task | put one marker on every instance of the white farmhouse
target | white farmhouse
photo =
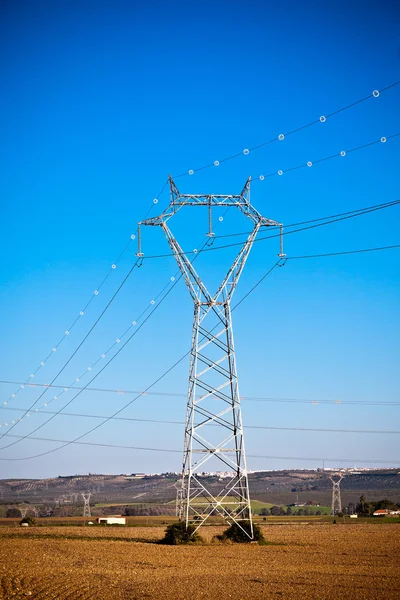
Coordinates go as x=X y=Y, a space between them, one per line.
x=114 y=520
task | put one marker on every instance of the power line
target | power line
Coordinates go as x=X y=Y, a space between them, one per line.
x=349 y=212
x=161 y=377
x=122 y=391
x=97 y=374
x=133 y=324
x=102 y=356
x=282 y=136
x=358 y=213
x=345 y=252
x=186 y=354
x=170 y=450
x=310 y=163
x=322 y=119
x=135 y=265
x=144 y=392
x=341 y=216
x=375 y=94
x=106 y=419
x=267 y=427
x=13 y=424
x=86 y=306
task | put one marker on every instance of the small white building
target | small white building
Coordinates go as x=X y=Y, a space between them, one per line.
x=114 y=520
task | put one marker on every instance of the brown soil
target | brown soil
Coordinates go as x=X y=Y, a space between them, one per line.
x=310 y=561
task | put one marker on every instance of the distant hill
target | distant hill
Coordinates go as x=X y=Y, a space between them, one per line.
x=278 y=487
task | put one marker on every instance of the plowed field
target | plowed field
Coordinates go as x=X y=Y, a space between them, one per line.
x=343 y=562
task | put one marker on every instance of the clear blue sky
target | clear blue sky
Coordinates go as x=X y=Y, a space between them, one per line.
x=100 y=101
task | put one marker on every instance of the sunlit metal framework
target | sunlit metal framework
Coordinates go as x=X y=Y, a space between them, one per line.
x=336 y=500
x=213 y=431
x=86 y=506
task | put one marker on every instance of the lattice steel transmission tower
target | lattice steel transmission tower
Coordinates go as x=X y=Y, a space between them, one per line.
x=336 y=500
x=86 y=506
x=213 y=431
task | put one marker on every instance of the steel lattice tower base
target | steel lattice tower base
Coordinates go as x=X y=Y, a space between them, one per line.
x=213 y=431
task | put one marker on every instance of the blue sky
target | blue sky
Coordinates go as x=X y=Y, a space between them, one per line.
x=100 y=101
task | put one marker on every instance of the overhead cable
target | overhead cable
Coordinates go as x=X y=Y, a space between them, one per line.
x=106 y=419
x=268 y=427
x=82 y=312
x=170 y=450
x=66 y=363
x=338 y=219
x=95 y=376
x=145 y=392
x=122 y=392
x=320 y=120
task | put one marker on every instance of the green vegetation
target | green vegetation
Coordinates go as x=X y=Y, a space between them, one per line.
x=241 y=534
x=178 y=533
x=28 y=520
x=365 y=509
x=111 y=504
x=264 y=509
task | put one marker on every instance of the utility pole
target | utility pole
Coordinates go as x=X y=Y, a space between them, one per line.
x=213 y=430
x=336 y=500
x=86 y=506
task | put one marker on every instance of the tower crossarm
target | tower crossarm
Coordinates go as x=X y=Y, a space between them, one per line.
x=241 y=201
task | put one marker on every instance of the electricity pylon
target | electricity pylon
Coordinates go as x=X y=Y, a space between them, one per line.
x=86 y=506
x=336 y=500
x=213 y=430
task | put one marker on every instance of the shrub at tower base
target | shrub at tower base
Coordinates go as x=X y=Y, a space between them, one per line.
x=178 y=533
x=241 y=534
x=28 y=520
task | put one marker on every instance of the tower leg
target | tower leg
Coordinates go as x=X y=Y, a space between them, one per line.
x=213 y=431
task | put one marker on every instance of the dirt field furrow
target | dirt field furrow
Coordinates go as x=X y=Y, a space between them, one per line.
x=324 y=561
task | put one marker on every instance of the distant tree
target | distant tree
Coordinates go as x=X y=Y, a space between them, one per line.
x=351 y=508
x=385 y=504
x=300 y=512
x=275 y=510
x=264 y=512
x=289 y=510
x=13 y=513
x=317 y=512
x=363 y=507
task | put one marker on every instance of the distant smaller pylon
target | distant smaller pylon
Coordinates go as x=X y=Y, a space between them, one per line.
x=336 y=500
x=86 y=506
